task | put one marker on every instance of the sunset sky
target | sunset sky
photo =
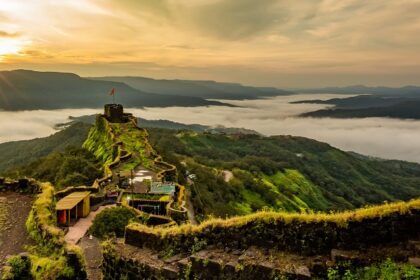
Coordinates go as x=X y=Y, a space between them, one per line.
x=266 y=42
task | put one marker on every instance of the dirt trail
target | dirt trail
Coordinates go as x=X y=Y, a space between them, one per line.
x=14 y=210
x=190 y=210
x=92 y=251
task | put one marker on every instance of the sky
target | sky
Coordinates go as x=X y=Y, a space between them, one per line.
x=282 y=43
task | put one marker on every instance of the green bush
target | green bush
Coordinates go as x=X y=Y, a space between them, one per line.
x=18 y=268
x=112 y=222
x=387 y=270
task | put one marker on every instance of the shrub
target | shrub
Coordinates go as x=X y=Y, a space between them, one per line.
x=17 y=268
x=387 y=270
x=112 y=221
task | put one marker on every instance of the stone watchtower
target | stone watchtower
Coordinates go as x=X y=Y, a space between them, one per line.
x=114 y=113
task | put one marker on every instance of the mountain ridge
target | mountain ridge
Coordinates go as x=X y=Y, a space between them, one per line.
x=206 y=89
x=29 y=90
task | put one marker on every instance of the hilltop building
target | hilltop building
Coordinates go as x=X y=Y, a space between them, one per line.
x=114 y=113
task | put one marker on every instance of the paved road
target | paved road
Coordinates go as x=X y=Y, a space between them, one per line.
x=79 y=229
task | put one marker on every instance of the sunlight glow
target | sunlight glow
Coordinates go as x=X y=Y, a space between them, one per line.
x=10 y=46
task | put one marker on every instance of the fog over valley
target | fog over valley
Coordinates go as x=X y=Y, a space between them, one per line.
x=380 y=137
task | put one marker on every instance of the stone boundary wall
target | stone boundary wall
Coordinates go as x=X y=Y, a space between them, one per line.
x=127 y=262
x=305 y=234
x=21 y=185
x=115 y=268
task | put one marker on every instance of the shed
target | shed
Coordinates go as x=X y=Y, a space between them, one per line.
x=73 y=206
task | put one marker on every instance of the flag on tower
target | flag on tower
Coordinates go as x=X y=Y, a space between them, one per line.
x=112 y=92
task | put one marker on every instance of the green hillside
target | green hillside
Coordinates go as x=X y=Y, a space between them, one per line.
x=20 y=152
x=282 y=172
x=71 y=167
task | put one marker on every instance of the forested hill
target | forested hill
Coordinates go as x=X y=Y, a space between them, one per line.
x=24 y=89
x=282 y=172
x=16 y=153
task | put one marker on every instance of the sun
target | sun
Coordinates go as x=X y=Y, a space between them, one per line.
x=10 y=46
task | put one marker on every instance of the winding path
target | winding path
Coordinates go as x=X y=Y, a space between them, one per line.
x=79 y=229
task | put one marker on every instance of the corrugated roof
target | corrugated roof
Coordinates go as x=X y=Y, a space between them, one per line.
x=70 y=201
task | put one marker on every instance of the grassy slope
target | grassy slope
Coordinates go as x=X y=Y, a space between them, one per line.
x=135 y=143
x=102 y=144
x=270 y=172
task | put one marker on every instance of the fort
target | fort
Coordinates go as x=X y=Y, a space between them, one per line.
x=125 y=151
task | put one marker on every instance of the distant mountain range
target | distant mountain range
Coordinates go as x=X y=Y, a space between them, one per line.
x=27 y=90
x=403 y=110
x=32 y=90
x=202 y=89
x=360 y=89
x=23 y=89
x=402 y=103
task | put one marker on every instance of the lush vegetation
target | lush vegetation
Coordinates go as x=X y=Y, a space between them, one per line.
x=100 y=142
x=17 y=153
x=388 y=270
x=112 y=222
x=281 y=173
x=135 y=142
x=71 y=167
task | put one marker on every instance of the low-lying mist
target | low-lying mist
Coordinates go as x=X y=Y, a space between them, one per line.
x=381 y=137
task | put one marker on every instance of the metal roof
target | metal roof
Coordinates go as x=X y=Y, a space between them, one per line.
x=162 y=188
x=70 y=201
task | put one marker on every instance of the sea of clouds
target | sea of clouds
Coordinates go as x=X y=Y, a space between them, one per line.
x=381 y=137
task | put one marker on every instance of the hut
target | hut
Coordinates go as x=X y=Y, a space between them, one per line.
x=72 y=207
